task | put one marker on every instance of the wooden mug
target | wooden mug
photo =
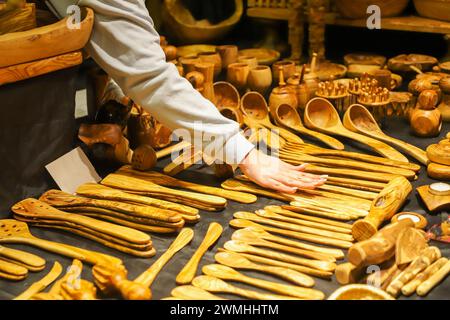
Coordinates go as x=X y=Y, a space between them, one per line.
x=229 y=54
x=260 y=79
x=287 y=66
x=250 y=60
x=214 y=58
x=237 y=75
x=189 y=62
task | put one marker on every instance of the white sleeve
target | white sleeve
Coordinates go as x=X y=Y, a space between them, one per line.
x=125 y=44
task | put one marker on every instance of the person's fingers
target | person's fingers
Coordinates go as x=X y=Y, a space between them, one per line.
x=280 y=186
x=307 y=176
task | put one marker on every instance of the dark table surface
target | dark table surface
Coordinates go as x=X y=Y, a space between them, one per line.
x=165 y=281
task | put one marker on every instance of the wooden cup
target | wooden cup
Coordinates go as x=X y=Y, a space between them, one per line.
x=260 y=79
x=214 y=58
x=188 y=63
x=250 y=60
x=237 y=75
x=229 y=54
x=287 y=66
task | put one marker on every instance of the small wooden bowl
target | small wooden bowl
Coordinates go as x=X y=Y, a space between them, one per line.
x=434 y=9
x=420 y=222
x=227 y=96
x=359 y=292
x=364 y=59
x=264 y=56
x=403 y=62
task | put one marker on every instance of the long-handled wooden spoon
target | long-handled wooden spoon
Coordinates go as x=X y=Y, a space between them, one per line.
x=217 y=285
x=321 y=115
x=255 y=109
x=168 y=181
x=235 y=260
x=286 y=116
x=250 y=238
x=39 y=286
x=193 y=293
x=188 y=272
x=147 y=277
x=227 y=273
x=358 y=119
x=242 y=247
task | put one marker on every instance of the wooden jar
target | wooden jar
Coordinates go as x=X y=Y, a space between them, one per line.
x=426 y=120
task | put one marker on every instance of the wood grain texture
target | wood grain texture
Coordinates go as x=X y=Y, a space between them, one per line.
x=20 y=19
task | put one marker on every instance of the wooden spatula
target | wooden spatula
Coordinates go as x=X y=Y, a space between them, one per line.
x=27 y=260
x=41 y=284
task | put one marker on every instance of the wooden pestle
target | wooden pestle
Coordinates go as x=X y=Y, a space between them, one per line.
x=388 y=202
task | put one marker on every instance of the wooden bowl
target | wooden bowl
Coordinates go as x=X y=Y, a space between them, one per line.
x=359 y=292
x=364 y=59
x=327 y=71
x=227 y=96
x=264 y=56
x=194 y=50
x=357 y=9
x=403 y=62
x=434 y=9
x=180 y=23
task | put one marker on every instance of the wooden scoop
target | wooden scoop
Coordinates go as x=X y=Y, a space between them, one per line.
x=358 y=119
x=250 y=238
x=13 y=231
x=193 y=293
x=183 y=238
x=321 y=115
x=216 y=285
x=285 y=115
x=168 y=181
x=255 y=109
x=32 y=208
x=188 y=272
x=227 y=273
x=242 y=247
x=235 y=260
x=27 y=260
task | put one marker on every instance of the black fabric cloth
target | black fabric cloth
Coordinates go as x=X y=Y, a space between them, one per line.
x=37 y=126
x=165 y=281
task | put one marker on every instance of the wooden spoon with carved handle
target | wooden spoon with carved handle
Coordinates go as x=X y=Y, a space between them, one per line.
x=188 y=272
x=235 y=260
x=213 y=284
x=147 y=277
x=227 y=273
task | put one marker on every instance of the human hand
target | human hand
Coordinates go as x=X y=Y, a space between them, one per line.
x=273 y=173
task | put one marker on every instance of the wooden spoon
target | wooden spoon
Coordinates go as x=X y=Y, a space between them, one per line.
x=193 y=293
x=358 y=119
x=321 y=115
x=13 y=231
x=216 y=285
x=188 y=272
x=27 y=260
x=12 y=271
x=235 y=260
x=244 y=223
x=168 y=181
x=255 y=108
x=252 y=239
x=234 y=184
x=242 y=247
x=227 y=273
x=285 y=115
x=148 y=276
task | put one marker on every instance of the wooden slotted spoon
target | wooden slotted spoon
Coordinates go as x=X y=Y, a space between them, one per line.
x=286 y=116
x=358 y=119
x=13 y=231
x=321 y=115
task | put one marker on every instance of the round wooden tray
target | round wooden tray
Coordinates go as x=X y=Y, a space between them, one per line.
x=195 y=49
x=264 y=56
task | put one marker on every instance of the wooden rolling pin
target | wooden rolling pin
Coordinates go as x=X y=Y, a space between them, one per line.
x=388 y=202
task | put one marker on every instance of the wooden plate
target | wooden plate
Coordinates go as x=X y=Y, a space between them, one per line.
x=195 y=49
x=328 y=71
x=264 y=56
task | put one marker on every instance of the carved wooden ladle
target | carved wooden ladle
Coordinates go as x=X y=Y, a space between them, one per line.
x=321 y=115
x=256 y=111
x=286 y=116
x=359 y=119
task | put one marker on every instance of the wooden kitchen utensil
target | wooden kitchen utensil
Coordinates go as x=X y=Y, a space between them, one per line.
x=320 y=115
x=12 y=271
x=438 y=171
x=359 y=119
x=183 y=238
x=250 y=238
x=83 y=290
x=254 y=107
x=242 y=247
x=227 y=273
x=435 y=196
x=439 y=153
x=193 y=293
x=420 y=222
x=188 y=272
x=235 y=260
x=408 y=246
x=217 y=285
x=288 y=117
x=411 y=286
x=316 y=238
x=388 y=202
x=143 y=187
x=73 y=272
x=226 y=95
x=27 y=260
x=426 y=286
x=243 y=186
x=426 y=119
x=167 y=181
x=13 y=231
x=380 y=247
x=40 y=285
x=347 y=273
